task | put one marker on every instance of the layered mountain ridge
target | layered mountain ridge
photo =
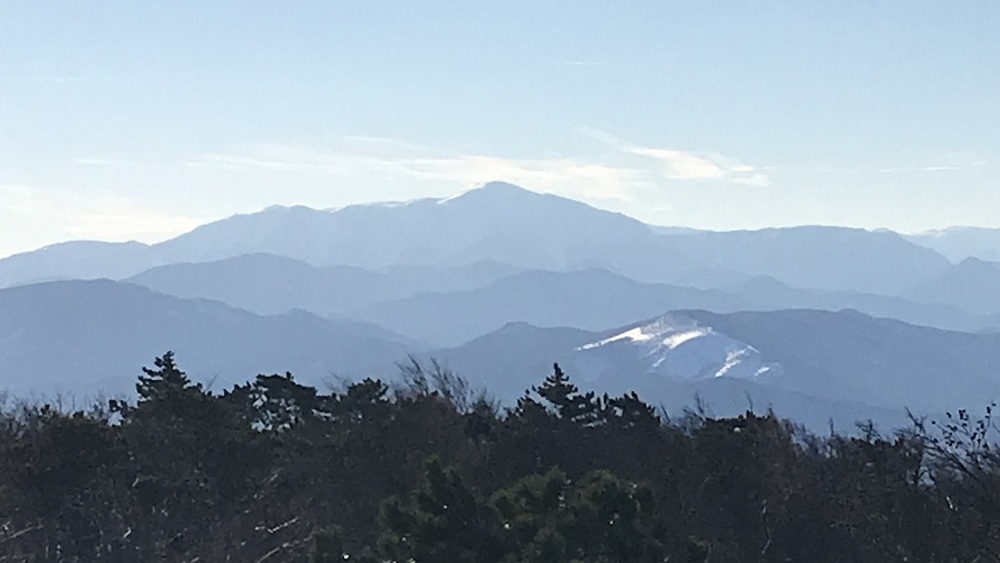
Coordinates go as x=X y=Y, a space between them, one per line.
x=502 y=223
x=500 y=282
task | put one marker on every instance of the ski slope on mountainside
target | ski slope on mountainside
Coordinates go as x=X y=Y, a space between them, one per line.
x=678 y=347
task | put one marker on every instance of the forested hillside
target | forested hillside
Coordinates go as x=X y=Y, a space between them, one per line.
x=428 y=471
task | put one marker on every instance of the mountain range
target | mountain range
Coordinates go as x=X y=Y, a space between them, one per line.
x=504 y=229
x=85 y=337
x=500 y=282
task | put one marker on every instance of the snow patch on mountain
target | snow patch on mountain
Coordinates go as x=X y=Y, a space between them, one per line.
x=676 y=346
x=653 y=332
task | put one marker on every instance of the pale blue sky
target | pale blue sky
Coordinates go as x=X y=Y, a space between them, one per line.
x=125 y=119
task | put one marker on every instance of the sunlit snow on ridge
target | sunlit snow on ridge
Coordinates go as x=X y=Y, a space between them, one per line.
x=675 y=346
x=649 y=332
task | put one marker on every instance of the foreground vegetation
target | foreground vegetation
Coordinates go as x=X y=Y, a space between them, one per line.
x=275 y=471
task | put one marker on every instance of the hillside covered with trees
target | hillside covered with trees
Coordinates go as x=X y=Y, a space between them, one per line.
x=428 y=471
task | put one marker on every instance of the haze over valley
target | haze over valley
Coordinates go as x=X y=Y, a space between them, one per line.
x=500 y=282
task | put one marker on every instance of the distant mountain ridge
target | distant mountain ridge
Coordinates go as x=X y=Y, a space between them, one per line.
x=815 y=257
x=75 y=260
x=815 y=366
x=502 y=223
x=587 y=299
x=849 y=355
x=270 y=284
x=89 y=336
x=972 y=285
x=449 y=304
x=959 y=243
x=496 y=222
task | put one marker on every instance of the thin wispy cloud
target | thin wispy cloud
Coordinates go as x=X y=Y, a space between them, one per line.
x=570 y=177
x=754 y=180
x=584 y=63
x=682 y=165
x=70 y=79
x=685 y=165
x=633 y=177
x=564 y=176
x=61 y=78
x=88 y=216
x=94 y=161
x=944 y=162
x=920 y=169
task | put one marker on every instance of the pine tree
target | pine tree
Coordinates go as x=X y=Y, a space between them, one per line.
x=566 y=399
x=165 y=383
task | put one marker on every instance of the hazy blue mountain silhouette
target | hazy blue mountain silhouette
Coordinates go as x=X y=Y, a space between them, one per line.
x=851 y=356
x=848 y=362
x=265 y=283
x=587 y=299
x=86 y=336
x=505 y=224
x=812 y=257
x=269 y=284
x=770 y=294
x=496 y=222
x=75 y=260
x=959 y=243
x=438 y=302
x=512 y=359
x=972 y=284
x=95 y=335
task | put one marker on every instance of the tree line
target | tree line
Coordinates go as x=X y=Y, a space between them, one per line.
x=427 y=471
